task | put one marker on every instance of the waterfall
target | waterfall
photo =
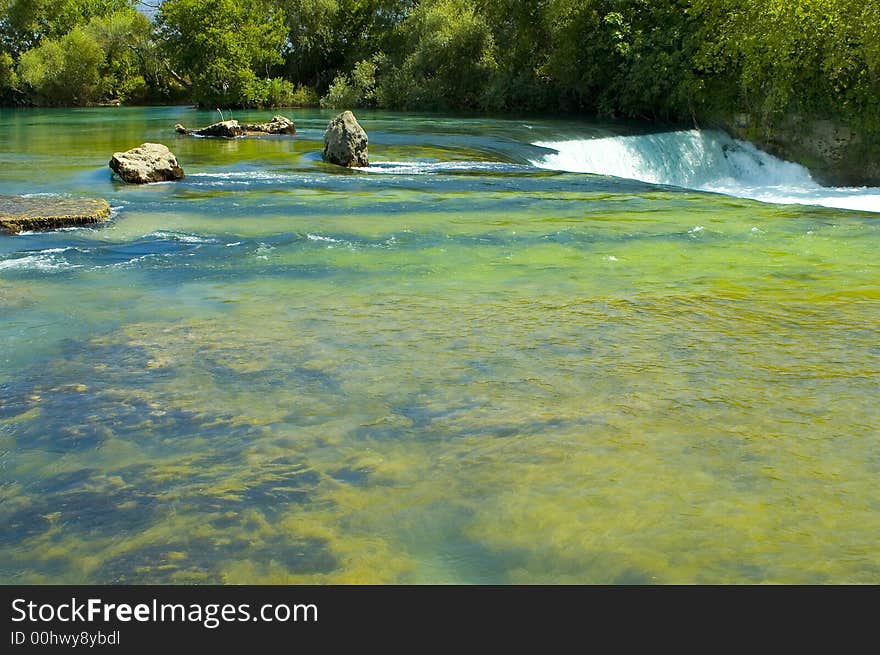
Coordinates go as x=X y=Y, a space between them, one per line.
x=705 y=160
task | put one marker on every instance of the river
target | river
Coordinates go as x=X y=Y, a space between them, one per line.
x=483 y=360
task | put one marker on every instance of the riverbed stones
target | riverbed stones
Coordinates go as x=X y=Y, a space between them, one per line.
x=27 y=213
x=345 y=142
x=149 y=162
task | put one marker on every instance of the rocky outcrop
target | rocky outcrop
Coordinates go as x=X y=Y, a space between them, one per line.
x=20 y=213
x=224 y=129
x=149 y=162
x=278 y=125
x=345 y=142
x=231 y=129
x=835 y=153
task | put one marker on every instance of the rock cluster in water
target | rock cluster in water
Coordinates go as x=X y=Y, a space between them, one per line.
x=278 y=125
x=21 y=213
x=223 y=129
x=149 y=162
x=345 y=142
x=232 y=129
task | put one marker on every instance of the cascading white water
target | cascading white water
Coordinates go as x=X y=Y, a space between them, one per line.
x=704 y=160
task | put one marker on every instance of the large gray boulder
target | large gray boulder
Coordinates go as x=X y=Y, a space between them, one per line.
x=345 y=142
x=20 y=213
x=149 y=162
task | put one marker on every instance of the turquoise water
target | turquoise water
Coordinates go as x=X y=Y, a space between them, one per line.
x=461 y=366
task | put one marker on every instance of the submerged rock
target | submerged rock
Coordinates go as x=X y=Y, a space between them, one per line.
x=232 y=129
x=345 y=142
x=149 y=162
x=18 y=213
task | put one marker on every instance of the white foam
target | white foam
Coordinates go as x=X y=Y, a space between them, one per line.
x=433 y=167
x=704 y=160
x=38 y=262
x=318 y=237
x=52 y=251
x=237 y=178
x=180 y=236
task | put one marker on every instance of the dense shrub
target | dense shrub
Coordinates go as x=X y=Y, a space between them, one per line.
x=225 y=47
x=64 y=71
x=304 y=96
x=445 y=59
x=355 y=90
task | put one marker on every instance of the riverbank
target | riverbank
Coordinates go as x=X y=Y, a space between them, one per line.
x=807 y=80
x=835 y=153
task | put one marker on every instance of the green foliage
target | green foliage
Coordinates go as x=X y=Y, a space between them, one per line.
x=25 y=23
x=9 y=91
x=106 y=55
x=8 y=78
x=623 y=57
x=327 y=37
x=129 y=55
x=673 y=60
x=803 y=57
x=64 y=71
x=111 y=57
x=522 y=32
x=341 y=94
x=224 y=46
x=446 y=61
x=273 y=92
x=304 y=96
x=355 y=90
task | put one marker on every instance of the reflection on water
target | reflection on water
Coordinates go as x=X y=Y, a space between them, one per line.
x=471 y=371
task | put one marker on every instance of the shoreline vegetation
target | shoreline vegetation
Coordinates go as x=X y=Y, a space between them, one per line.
x=800 y=78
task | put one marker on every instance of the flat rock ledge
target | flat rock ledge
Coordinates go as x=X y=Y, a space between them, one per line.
x=149 y=162
x=231 y=129
x=35 y=213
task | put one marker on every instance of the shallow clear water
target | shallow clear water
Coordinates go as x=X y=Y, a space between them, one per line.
x=454 y=367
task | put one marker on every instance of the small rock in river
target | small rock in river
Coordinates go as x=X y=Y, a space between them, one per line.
x=149 y=162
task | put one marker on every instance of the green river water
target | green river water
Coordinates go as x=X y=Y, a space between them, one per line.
x=457 y=367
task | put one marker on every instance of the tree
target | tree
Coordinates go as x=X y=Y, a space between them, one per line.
x=25 y=23
x=355 y=90
x=226 y=47
x=521 y=28
x=446 y=61
x=64 y=71
x=327 y=37
x=129 y=54
x=778 y=58
x=630 y=58
x=8 y=79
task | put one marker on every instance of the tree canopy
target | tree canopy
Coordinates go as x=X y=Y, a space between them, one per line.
x=673 y=60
